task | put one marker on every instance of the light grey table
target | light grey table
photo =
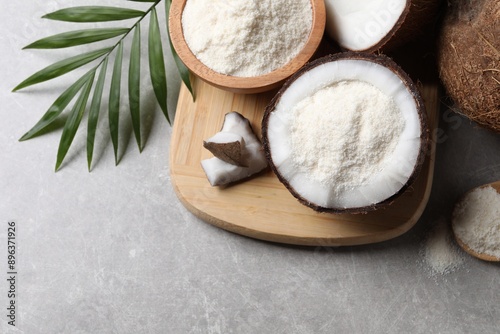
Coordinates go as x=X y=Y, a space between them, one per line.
x=114 y=251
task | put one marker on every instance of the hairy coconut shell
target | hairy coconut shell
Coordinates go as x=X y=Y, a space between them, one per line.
x=469 y=59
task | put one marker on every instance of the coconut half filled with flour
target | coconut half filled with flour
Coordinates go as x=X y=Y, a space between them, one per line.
x=346 y=133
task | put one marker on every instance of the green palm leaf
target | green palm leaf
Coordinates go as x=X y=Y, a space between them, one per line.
x=95 y=107
x=156 y=63
x=134 y=84
x=73 y=121
x=57 y=107
x=77 y=37
x=61 y=67
x=85 y=83
x=114 y=99
x=183 y=70
x=94 y=14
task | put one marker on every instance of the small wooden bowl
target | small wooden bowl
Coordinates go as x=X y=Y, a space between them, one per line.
x=245 y=85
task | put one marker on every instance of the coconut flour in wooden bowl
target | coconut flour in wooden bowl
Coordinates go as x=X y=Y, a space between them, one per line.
x=246 y=38
x=246 y=46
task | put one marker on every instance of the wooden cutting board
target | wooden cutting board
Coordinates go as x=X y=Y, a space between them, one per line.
x=261 y=207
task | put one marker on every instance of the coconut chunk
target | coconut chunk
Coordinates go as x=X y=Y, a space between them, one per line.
x=238 y=152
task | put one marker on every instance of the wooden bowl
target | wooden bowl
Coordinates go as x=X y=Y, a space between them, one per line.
x=245 y=85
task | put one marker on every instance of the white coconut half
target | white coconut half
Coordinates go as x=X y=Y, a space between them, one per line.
x=339 y=162
x=368 y=25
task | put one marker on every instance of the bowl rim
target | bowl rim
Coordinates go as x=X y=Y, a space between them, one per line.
x=255 y=84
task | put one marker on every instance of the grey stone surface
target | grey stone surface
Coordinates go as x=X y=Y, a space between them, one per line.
x=114 y=251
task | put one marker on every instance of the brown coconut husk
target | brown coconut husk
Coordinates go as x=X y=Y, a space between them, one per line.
x=469 y=59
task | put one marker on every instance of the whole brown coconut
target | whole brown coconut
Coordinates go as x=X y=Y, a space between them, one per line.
x=469 y=59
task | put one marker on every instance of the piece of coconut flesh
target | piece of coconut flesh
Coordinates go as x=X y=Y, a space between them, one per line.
x=383 y=183
x=359 y=25
x=236 y=130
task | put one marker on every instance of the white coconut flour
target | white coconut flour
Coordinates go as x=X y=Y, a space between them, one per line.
x=344 y=134
x=476 y=221
x=440 y=253
x=246 y=38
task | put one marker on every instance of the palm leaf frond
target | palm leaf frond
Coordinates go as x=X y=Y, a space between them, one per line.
x=94 y=14
x=73 y=121
x=84 y=85
x=183 y=70
x=157 y=63
x=77 y=37
x=114 y=99
x=57 y=107
x=95 y=107
x=134 y=85
x=62 y=67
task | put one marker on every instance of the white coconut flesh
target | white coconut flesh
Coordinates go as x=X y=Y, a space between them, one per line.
x=377 y=182
x=226 y=137
x=359 y=25
x=236 y=128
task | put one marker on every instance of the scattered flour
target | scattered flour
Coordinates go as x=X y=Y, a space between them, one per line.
x=476 y=221
x=440 y=252
x=246 y=38
x=344 y=133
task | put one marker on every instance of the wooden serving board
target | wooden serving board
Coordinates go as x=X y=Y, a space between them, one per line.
x=262 y=207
